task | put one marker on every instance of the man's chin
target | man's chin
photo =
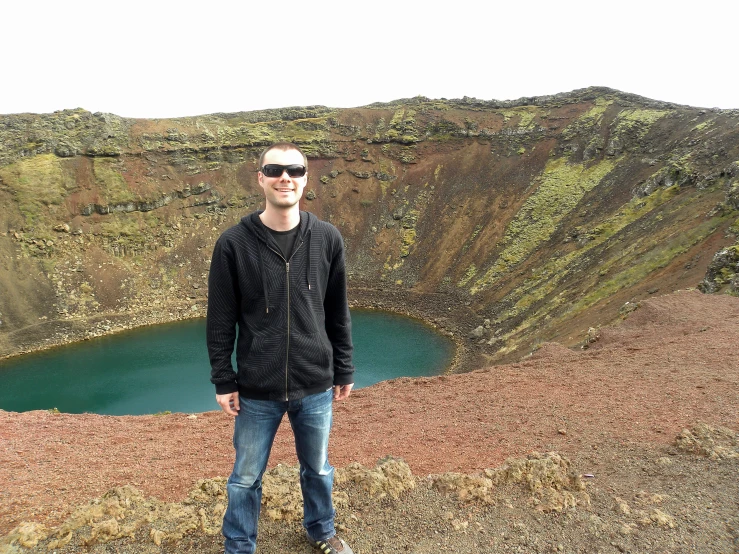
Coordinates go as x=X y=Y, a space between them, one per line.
x=284 y=203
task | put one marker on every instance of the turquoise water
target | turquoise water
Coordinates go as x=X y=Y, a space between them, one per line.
x=165 y=367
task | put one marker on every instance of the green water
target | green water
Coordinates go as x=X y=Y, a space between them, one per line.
x=165 y=367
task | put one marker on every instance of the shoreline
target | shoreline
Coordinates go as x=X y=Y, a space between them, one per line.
x=64 y=332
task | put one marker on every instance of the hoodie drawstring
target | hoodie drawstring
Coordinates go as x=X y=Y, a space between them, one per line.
x=264 y=278
x=307 y=240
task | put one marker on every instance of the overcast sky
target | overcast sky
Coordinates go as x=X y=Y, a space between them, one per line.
x=166 y=59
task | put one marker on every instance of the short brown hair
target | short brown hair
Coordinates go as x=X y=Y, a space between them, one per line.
x=284 y=146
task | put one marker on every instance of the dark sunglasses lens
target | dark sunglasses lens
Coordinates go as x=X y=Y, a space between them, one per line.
x=295 y=170
x=272 y=170
x=275 y=170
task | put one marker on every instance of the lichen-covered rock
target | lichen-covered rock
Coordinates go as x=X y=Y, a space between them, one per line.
x=547 y=476
x=281 y=496
x=713 y=442
x=26 y=534
x=538 y=471
x=674 y=174
x=470 y=488
x=723 y=271
x=391 y=477
x=660 y=518
x=732 y=194
x=477 y=332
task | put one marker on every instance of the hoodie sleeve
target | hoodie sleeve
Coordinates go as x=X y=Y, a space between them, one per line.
x=338 y=320
x=223 y=306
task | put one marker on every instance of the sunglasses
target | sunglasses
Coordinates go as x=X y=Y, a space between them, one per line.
x=275 y=170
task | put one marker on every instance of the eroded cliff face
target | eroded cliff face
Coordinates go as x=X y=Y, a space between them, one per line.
x=507 y=223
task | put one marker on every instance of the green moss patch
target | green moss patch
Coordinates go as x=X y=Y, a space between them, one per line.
x=37 y=183
x=587 y=121
x=562 y=187
x=112 y=185
x=522 y=115
x=636 y=121
x=549 y=277
x=658 y=257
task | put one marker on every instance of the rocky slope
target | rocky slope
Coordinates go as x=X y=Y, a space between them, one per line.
x=504 y=223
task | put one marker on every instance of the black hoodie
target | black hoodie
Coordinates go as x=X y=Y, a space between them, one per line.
x=294 y=328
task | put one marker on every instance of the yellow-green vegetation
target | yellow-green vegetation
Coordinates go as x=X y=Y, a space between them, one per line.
x=407 y=154
x=562 y=186
x=401 y=152
x=725 y=275
x=38 y=183
x=472 y=238
x=308 y=132
x=125 y=234
x=397 y=119
x=589 y=120
x=112 y=185
x=597 y=111
x=658 y=257
x=468 y=275
x=401 y=128
x=86 y=296
x=116 y=225
x=386 y=167
x=408 y=237
x=645 y=256
x=524 y=114
x=635 y=120
x=703 y=126
x=549 y=276
x=408 y=231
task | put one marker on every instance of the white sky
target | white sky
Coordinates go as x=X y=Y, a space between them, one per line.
x=165 y=59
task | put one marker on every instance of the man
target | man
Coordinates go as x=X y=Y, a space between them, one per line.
x=279 y=276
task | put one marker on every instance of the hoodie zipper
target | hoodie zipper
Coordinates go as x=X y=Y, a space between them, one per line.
x=287 y=348
x=287 y=278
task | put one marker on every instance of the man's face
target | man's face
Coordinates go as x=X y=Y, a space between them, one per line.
x=283 y=191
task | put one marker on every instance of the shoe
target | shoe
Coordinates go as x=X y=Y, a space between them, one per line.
x=334 y=545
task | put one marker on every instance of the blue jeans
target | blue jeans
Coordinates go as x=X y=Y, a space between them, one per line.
x=254 y=433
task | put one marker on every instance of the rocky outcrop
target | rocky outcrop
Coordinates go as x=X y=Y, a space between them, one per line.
x=723 y=272
x=149 y=205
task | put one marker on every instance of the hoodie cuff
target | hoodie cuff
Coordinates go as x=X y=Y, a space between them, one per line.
x=344 y=379
x=227 y=388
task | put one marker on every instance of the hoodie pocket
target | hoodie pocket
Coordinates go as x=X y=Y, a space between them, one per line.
x=310 y=358
x=264 y=366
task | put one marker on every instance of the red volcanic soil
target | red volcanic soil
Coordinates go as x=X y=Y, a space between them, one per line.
x=671 y=364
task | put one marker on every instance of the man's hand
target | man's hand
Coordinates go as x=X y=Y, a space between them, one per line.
x=229 y=403
x=342 y=392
